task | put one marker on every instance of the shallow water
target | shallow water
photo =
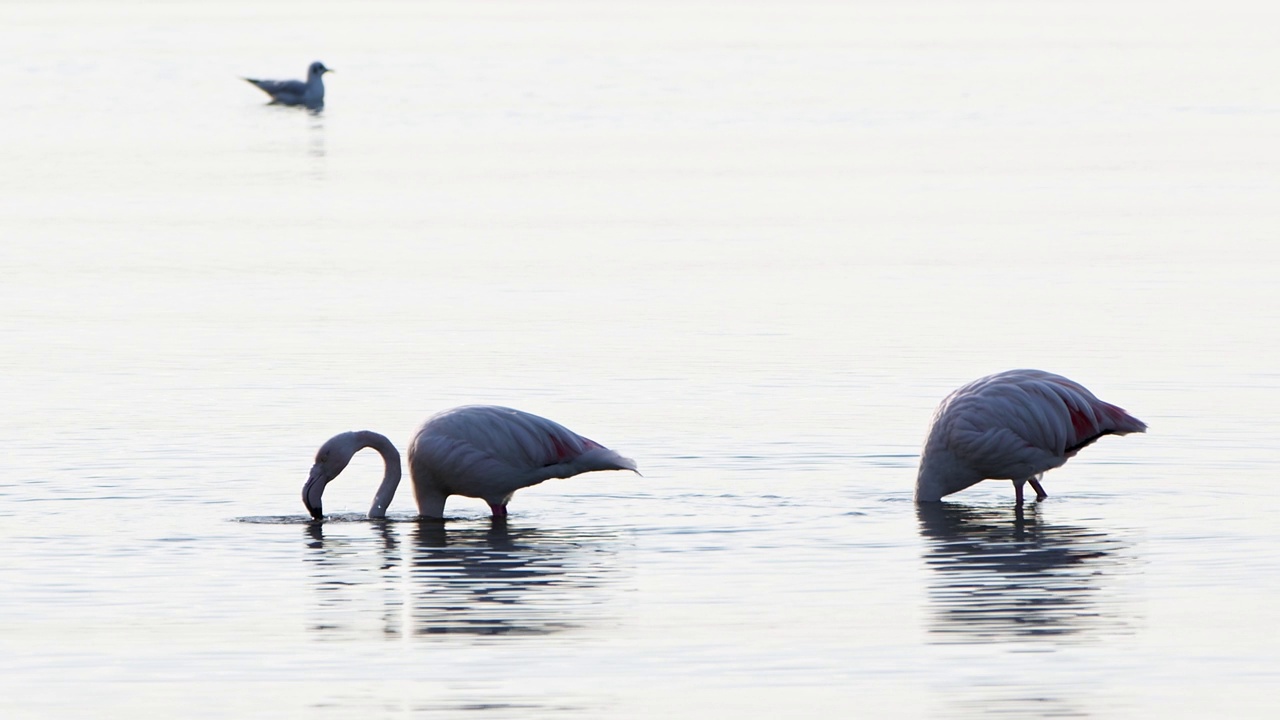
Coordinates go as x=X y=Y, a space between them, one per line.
x=750 y=246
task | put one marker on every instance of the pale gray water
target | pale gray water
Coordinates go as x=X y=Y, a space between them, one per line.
x=749 y=245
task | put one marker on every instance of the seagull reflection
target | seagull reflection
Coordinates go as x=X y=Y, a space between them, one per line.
x=1002 y=577
x=430 y=578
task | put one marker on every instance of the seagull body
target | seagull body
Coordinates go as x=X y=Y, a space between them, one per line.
x=480 y=451
x=296 y=92
x=1013 y=425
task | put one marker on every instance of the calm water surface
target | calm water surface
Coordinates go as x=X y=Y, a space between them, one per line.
x=749 y=245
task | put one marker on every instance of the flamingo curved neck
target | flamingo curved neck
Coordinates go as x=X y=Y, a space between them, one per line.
x=390 y=478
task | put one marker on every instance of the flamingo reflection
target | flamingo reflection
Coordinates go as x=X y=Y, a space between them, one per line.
x=429 y=578
x=998 y=577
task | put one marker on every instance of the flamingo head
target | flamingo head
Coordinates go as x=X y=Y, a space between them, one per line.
x=331 y=460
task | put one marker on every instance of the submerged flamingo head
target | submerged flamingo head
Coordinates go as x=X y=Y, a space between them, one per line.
x=331 y=460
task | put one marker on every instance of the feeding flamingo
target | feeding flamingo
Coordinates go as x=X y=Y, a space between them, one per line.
x=1013 y=425
x=480 y=451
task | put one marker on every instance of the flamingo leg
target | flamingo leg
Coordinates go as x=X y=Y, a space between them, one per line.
x=1040 y=493
x=499 y=509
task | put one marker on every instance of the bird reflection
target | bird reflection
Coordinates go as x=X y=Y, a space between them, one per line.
x=344 y=577
x=430 y=578
x=1002 y=575
x=316 y=144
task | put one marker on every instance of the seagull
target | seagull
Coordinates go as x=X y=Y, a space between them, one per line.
x=1013 y=425
x=296 y=92
x=480 y=451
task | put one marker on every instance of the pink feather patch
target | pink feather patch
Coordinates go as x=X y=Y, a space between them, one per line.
x=562 y=451
x=1081 y=424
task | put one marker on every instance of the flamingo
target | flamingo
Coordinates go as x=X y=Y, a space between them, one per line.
x=296 y=92
x=1013 y=425
x=480 y=451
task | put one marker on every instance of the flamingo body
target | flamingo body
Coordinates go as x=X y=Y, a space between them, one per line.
x=296 y=92
x=480 y=451
x=489 y=452
x=1013 y=425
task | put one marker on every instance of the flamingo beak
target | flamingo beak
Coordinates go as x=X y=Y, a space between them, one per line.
x=313 y=491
